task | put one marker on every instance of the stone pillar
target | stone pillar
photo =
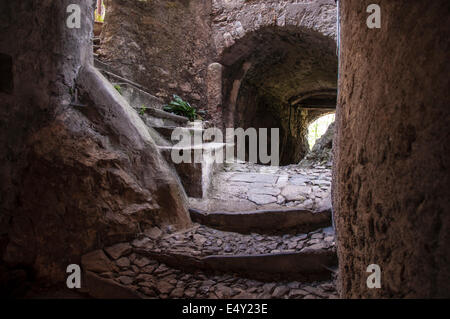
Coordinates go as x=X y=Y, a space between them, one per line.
x=214 y=92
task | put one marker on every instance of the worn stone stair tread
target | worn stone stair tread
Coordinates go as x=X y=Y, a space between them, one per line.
x=142 y=277
x=201 y=241
x=302 y=256
x=163 y=114
x=166 y=131
x=102 y=66
x=305 y=266
x=138 y=98
x=195 y=133
x=109 y=73
x=264 y=221
x=151 y=267
x=203 y=146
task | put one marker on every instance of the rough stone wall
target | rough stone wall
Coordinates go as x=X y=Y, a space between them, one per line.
x=163 y=45
x=391 y=168
x=234 y=19
x=72 y=179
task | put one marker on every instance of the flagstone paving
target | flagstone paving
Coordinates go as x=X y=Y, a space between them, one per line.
x=246 y=186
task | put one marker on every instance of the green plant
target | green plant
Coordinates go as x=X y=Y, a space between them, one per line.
x=180 y=107
x=118 y=88
x=142 y=110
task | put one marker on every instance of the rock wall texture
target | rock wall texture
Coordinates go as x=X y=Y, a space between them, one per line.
x=391 y=161
x=163 y=45
x=234 y=19
x=72 y=178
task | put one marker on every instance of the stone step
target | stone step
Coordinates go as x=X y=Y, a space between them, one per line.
x=196 y=176
x=138 y=98
x=304 y=257
x=155 y=117
x=102 y=66
x=301 y=256
x=110 y=74
x=142 y=277
x=147 y=105
x=205 y=263
x=202 y=241
x=195 y=133
x=264 y=221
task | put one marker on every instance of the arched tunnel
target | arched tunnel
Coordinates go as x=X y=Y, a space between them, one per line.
x=280 y=77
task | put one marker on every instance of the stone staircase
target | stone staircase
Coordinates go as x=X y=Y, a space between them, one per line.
x=203 y=262
x=263 y=253
x=195 y=176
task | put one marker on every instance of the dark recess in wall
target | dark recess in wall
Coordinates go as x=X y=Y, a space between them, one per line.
x=6 y=75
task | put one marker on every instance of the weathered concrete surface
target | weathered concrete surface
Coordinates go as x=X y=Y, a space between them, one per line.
x=72 y=178
x=391 y=161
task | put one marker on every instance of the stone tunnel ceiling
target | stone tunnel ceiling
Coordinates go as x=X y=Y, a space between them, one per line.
x=272 y=68
x=286 y=62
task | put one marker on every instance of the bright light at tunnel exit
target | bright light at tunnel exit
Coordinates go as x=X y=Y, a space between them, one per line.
x=317 y=128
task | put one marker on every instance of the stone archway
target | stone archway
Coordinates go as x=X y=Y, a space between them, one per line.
x=280 y=77
x=275 y=60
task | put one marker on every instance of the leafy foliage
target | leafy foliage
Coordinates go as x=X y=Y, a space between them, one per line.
x=118 y=88
x=180 y=107
x=142 y=110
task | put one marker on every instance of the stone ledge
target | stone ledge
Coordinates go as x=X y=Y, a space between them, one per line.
x=305 y=266
x=264 y=221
